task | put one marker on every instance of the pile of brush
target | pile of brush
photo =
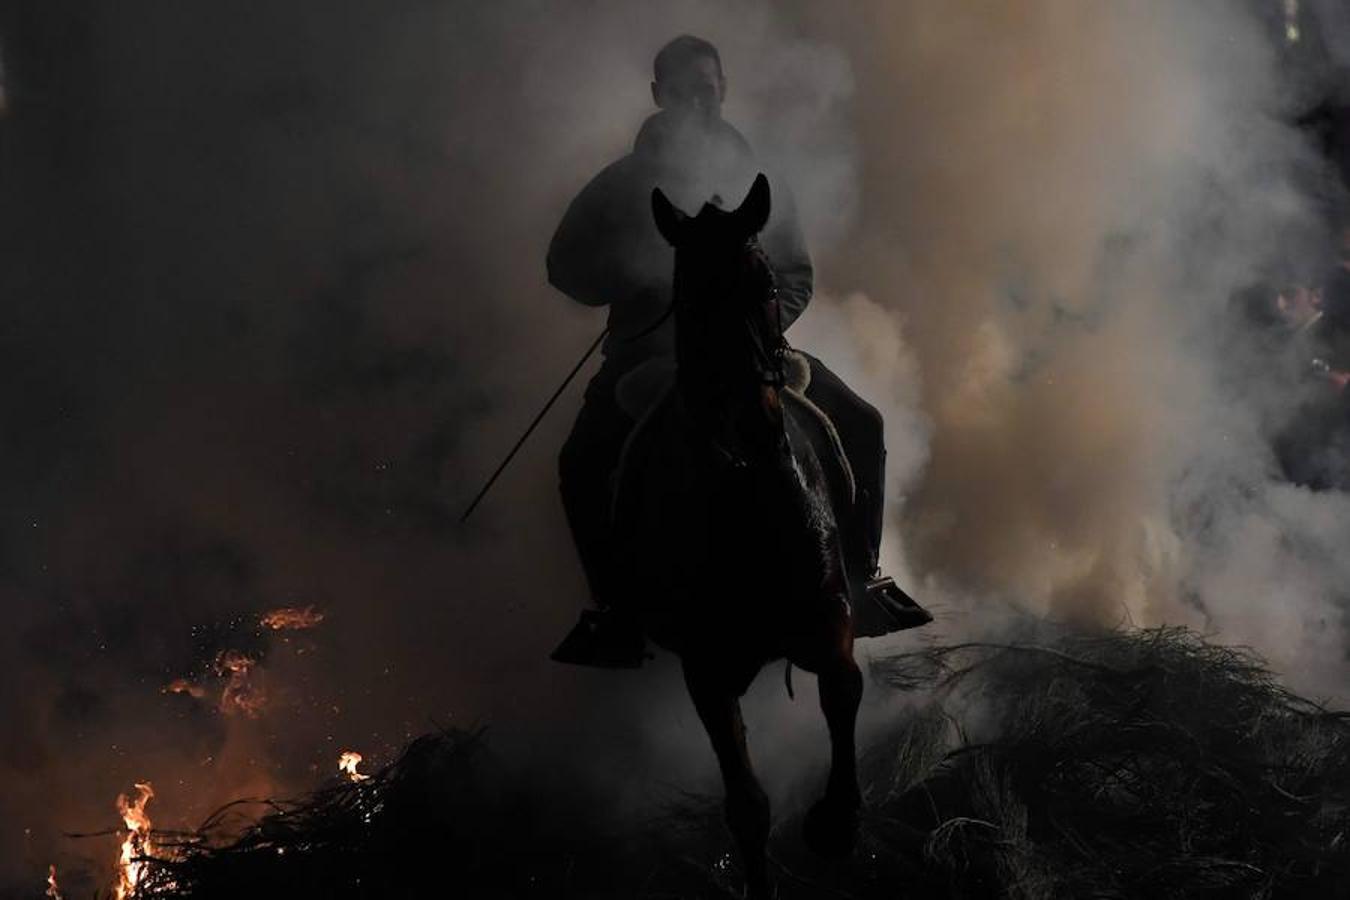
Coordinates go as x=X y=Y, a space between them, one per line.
x=446 y=819
x=1141 y=764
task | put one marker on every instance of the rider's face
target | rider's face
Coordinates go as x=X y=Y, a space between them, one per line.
x=696 y=91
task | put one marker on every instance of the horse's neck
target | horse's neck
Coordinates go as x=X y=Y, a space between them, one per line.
x=713 y=371
x=733 y=408
x=721 y=372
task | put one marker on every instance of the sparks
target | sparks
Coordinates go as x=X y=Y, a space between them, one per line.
x=292 y=618
x=137 y=846
x=347 y=764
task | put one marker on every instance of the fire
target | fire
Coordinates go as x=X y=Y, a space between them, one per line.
x=240 y=695
x=241 y=692
x=292 y=618
x=183 y=686
x=137 y=844
x=347 y=764
x=53 y=891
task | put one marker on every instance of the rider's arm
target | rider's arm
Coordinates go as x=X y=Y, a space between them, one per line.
x=590 y=256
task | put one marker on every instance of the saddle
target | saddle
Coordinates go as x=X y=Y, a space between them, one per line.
x=642 y=392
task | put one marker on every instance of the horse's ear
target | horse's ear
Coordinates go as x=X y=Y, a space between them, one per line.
x=669 y=220
x=754 y=210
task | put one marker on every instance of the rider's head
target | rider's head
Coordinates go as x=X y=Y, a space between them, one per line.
x=689 y=81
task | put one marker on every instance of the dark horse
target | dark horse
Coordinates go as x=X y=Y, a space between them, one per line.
x=726 y=518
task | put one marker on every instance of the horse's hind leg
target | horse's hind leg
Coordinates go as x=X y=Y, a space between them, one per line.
x=832 y=823
x=747 y=806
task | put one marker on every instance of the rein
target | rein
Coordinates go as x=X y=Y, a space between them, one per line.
x=774 y=377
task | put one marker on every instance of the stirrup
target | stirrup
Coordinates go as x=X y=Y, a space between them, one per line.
x=891 y=609
x=603 y=639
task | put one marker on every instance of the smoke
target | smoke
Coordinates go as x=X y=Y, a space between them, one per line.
x=1060 y=217
x=279 y=308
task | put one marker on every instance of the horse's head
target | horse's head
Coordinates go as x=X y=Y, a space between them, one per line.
x=727 y=330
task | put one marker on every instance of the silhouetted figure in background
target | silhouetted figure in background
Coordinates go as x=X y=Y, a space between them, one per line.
x=607 y=251
x=1290 y=345
x=1316 y=449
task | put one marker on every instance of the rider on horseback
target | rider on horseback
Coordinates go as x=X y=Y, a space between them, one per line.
x=607 y=251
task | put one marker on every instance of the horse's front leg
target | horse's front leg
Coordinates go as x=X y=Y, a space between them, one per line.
x=831 y=825
x=747 y=806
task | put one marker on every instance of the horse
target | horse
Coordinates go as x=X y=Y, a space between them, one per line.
x=727 y=518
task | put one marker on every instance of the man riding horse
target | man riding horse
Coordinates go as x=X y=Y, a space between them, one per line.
x=607 y=251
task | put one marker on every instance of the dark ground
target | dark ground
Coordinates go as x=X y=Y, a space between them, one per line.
x=1144 y=764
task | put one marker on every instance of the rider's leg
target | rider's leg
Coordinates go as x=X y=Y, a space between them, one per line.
x=861 y=431
x=587 y=460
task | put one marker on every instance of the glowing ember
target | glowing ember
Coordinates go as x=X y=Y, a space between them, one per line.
x=53 y=891
x=183 y=686
x=137 y=844
x=232 y=662
x=292 y=618
x=347 y=764
x=240 y=695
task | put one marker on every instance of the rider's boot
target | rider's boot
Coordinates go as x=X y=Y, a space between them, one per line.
x=888 y=607
x=607 y=638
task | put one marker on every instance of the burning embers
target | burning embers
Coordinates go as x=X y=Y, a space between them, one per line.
x=347 y=764
x=242 y=693
x=183 y=686
x=138 y=849
x=238 y=674
x=137 y=846
x=291 y=618
x=233 y=682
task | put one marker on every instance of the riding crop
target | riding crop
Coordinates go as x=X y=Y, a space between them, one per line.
x=530 y=430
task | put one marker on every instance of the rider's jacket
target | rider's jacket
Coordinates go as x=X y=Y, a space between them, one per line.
x=607 y=249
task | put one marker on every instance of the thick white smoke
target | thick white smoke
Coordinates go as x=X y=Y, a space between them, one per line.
x=1060 y=199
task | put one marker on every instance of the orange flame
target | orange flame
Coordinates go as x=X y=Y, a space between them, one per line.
x=240 y=695
x=233 y=662
x=53 y=891
x=137 y=843
x=292 y=618
x=183 y=686
x=347 y=764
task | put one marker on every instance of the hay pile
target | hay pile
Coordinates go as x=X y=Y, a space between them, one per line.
x=1142 y=764
x=446 y=819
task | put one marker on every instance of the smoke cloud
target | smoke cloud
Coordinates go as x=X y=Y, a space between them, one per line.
x=1060 y=216
x=277 y=307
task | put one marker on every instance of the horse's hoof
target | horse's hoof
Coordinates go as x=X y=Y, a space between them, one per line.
x=831 y=828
